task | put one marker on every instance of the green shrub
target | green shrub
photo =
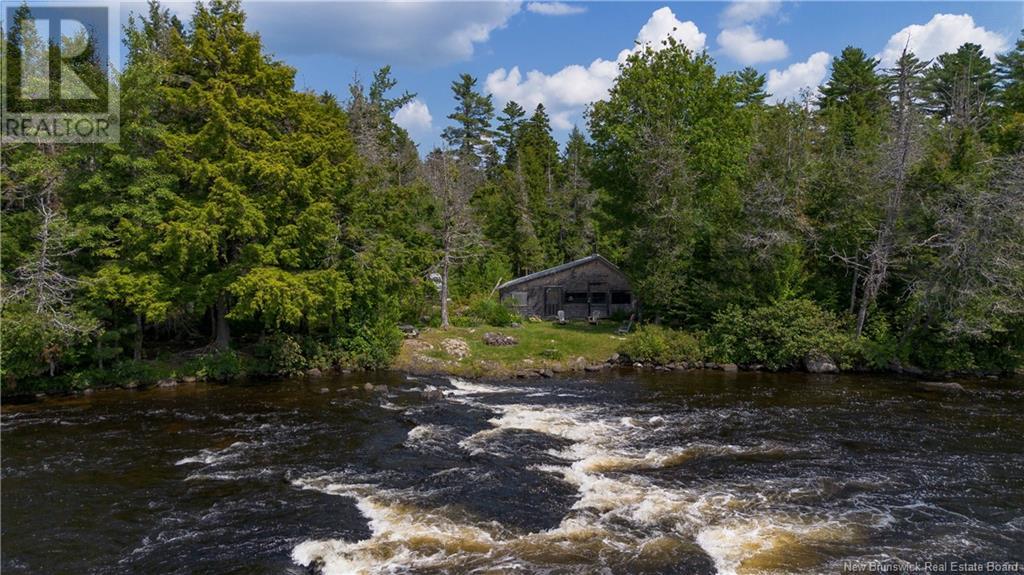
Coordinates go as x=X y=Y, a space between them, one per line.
x=657 y=344
x=127 y=370
x=487 y=311
x=218 y=366
x=878 y=347
x=279 y=354
x=323 y=354
x=779 y=335
x=374 y=345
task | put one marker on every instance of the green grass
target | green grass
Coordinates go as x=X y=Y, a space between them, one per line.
x=542 y=345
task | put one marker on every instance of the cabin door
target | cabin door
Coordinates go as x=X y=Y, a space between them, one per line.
x=552 y=301
x=597 y=299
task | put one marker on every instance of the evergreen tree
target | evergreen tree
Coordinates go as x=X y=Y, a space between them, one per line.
x=471 y=135
x=670 y=146
x=854 y=95
x=537 y=169
x=577 y=233
x=509 y=123
x=962 y=86
x=1010 y=71
x=260 y=170
x=751 y=85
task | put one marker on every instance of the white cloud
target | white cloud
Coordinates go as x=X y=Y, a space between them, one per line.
x=554 y=8
x=566 y=92
x=417 y=33
x=751 y=11
x=663 y=23
x=943 y=33
x=414 y=117
x=788 y=83
x=746 y=46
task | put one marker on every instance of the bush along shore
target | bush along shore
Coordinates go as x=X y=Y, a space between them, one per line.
x=793 y=335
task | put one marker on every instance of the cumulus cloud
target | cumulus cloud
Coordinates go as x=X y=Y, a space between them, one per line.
x=415 y=117
x=554 y=8
x=746 y=46
x=663 y=23
x=412 y=33
x=943 y=33
x=742 y=12
x=566 y=92
x=787 y=84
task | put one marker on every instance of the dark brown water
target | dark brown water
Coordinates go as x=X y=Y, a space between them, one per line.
x=619 y=473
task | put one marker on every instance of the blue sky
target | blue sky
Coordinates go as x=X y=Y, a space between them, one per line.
x=574 y=47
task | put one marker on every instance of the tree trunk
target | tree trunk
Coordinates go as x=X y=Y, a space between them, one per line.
x=222 y=332
x=445 y=324
x=884 y=248
x=862 y=313
x=137 y=354
x=853 y=291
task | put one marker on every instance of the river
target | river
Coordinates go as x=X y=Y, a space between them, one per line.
x=617 y=472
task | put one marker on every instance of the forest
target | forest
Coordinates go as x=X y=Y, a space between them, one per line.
x=244 y=225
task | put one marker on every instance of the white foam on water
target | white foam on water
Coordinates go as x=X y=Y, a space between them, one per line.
x=463 y=387
x=769 y=543
x=431 y=436
x=622 y=516
x=212 y=456
x=402 y=535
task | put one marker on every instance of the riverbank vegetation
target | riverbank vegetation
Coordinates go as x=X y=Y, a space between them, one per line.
x=242 y=224
x=540 y=347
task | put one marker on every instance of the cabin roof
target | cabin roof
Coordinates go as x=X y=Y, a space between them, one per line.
x=556 y=269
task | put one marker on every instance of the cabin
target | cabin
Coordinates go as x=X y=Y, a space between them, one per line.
x=591 y=287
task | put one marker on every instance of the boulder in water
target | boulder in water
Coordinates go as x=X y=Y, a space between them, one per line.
x=432 y=395
x=947 y=386
x=730 y=367
x=820 y=363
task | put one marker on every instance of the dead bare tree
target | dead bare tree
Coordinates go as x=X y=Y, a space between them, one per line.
x=977 y=283
x=772 y=205
x=41 y=280
x=452 y=186
x=901 y=150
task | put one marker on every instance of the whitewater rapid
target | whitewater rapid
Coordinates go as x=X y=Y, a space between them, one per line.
x=623 y=517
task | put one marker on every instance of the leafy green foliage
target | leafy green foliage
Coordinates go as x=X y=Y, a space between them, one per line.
x=487 y=310
x=280 y=230
x=779 y=335
x=222 y=365
x=656 y=344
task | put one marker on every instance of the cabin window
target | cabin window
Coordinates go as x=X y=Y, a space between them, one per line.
x=598 y=297
x=575 y=297
x=622 y=297
x=518 y=298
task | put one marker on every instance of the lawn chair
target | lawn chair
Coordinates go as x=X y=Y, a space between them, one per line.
x=626 y=326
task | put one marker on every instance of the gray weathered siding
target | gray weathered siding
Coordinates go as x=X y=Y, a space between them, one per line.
x=597 y=274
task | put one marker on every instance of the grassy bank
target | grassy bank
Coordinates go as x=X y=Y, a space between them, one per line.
x=540 y=346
